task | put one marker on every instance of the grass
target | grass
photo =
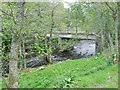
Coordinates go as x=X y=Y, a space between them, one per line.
x=91 y=72
x=0 y=83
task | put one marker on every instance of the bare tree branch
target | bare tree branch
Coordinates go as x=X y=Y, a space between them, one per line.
x=5 y=12
x=114 y=11
x=109 y=7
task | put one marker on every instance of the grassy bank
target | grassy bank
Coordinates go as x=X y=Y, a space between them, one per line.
x=91 y=72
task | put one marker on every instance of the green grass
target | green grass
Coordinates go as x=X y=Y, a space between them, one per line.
x=81 y=73
x=0 y=83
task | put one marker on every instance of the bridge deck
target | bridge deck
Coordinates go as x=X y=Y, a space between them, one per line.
x=73 y=35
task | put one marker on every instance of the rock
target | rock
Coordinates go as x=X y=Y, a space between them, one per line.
x=41 y=68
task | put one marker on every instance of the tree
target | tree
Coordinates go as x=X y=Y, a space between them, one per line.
x=114 y=13
x=51 y=31
x=13 y=64
x=0 y=42
x=118 y=5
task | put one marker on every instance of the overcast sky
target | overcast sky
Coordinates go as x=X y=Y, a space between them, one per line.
x=69 y=1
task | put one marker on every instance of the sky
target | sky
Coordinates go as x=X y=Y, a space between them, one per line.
x=69 y=1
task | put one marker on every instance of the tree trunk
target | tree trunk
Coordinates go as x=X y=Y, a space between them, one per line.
x=115 y=17
x=111 y=43
x=1 y=46
x=68 y=23
x=76 y=27
x=24 y=56
x=49 y=57
x=101 y=30
x=76 y=22
x=108 y=38
x=13 y=64
x=21 y=57
x=118 y=37
x=118 y=4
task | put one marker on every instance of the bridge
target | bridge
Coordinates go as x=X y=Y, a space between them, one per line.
x=88 y=36
x=86 y=44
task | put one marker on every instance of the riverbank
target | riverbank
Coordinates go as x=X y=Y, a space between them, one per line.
x=91 y=72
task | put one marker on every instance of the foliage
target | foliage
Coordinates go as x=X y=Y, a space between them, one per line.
x=67 y=44
x=44 y=18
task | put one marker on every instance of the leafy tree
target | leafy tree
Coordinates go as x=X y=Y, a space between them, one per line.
x=12 y=22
